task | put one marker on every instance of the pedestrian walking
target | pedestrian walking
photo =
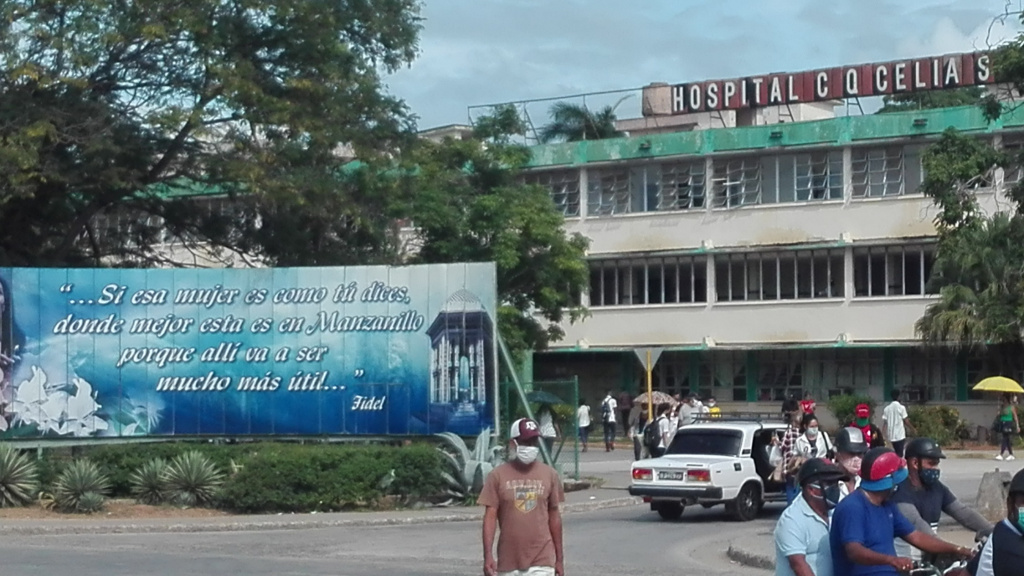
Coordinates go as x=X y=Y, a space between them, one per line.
x=608 y=409
x=814 y=442
x=895 y=424
x=1009 y=424
x=521 y=500
x=583 y=422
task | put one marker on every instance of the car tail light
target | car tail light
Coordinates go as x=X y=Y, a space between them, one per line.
x=698 y=475
x=647 y=499
x=643 y=474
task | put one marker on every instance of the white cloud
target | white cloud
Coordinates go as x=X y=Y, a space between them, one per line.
x=502 y=50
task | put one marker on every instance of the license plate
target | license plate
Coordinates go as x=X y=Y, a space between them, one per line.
x=664 y=475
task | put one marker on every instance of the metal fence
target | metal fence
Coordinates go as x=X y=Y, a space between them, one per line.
x=551 y=402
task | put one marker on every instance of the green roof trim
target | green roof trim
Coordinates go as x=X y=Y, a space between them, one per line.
x=834 y=131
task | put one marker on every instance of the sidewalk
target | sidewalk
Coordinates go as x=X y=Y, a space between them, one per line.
x=575 y=502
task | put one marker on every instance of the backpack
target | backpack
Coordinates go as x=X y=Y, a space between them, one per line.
x=652 y=434
x=606 y=411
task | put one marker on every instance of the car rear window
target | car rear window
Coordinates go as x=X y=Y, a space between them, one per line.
x=712 y=442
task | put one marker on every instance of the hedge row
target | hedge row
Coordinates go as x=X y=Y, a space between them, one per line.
x=280 y=477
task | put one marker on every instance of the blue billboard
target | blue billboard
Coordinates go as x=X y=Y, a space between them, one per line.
x=368 y=350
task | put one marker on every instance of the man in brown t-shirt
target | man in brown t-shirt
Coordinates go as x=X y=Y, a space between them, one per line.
x=522 y=497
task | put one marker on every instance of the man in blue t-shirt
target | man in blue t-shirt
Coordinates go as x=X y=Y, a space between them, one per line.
x=865 y=523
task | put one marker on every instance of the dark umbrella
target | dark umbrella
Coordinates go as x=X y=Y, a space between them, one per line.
x=543 y=397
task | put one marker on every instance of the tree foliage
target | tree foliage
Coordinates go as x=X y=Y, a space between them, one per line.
x=966 y=96
x=112 y=110
x=471 y=205
x=573 y=122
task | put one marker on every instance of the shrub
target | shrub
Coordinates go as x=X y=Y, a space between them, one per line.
x=192 y=479
x=81 y=487
x=940 y=423
x=121 y=461
x=306 y=478
x=18 y=477
x=149 y=483
x=845 y=406
x=466 y=469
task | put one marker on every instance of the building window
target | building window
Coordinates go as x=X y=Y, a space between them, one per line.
x=682 y=186
x=789 y=275
x=563 y=186
x=819 y=176
x=925 y=376
x=674 y=280
x=608 y=192
x=878 y=172
x=737 y=182
x=779 y=375
x=901 y=270
x=1013 y=145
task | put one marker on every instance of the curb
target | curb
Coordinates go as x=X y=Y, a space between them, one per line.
x=750 y=559
x=253 y=526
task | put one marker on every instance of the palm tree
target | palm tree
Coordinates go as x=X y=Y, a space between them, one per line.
x=980 y=274
x=575 y=122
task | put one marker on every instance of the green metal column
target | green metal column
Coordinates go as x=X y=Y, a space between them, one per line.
x=627 y=371
x=751 y=376
x=888 y=373
x=693 y=362
x=526 y=371
x=962 y=384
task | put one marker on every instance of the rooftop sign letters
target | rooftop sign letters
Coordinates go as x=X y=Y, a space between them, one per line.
x=937 y=73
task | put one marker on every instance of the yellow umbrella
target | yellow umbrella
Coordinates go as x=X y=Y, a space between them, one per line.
x=999 y=384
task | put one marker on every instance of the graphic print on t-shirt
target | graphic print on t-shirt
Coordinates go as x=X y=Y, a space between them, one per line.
x=526 y=493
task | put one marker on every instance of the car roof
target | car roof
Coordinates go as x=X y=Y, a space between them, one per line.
x=740 y=425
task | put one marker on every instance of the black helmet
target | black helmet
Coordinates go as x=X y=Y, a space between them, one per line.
x=819 y=469
x=923 y=448
x=1017 y=484
x=851 y=440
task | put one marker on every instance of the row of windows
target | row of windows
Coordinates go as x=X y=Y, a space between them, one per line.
x=786 y=275
x=779 y=374
x=734 y=182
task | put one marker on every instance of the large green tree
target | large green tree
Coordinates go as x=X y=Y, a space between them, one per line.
x=112 y=111
x=471 y=205
x=967 y=96
x=979 y=268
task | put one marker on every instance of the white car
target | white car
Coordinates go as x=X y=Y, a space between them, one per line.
x=712 y=463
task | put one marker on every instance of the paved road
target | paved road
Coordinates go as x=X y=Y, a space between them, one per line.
x=609 y=542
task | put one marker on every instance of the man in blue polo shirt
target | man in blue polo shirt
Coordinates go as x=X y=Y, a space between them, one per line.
x=801 y=535
x=865 y=523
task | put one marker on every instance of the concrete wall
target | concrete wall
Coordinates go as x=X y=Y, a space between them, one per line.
x=736 y=324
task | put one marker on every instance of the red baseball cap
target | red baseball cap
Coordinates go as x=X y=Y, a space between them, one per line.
x=524 y=429
x=863 y=410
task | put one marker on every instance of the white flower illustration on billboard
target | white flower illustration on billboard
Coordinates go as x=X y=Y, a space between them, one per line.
x=65 y=410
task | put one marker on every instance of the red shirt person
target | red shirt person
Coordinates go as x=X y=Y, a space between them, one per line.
x=862 y=421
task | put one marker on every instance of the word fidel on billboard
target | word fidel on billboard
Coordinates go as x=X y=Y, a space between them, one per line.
x=938 y=73
x=172 y=325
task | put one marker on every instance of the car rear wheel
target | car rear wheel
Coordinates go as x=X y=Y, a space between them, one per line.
x=747 y=504
x=670 y=510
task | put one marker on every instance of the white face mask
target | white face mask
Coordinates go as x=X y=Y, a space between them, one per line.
x=527 y=454
x=852 y=465
x=812 y=431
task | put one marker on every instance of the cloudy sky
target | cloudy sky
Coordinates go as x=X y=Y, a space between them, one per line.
x=475 y=52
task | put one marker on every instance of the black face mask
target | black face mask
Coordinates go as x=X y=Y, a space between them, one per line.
x=830 y=494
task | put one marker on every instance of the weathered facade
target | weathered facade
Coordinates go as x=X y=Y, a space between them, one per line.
x=767 y=260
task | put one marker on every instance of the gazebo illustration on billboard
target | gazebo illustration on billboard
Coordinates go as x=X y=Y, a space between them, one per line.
x=461 y=359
